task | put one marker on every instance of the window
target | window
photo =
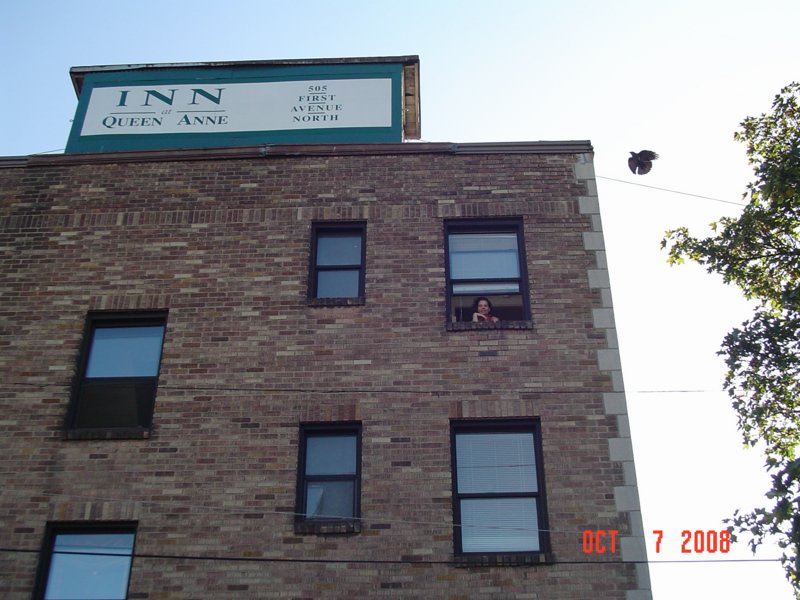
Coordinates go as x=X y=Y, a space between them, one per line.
x=498 y=488
x=119 y=368
x=485 y=259
x=329 y=477
x=337 y=265
x=86 y=561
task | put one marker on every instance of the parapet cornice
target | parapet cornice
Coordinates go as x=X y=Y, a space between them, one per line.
x=296 y=150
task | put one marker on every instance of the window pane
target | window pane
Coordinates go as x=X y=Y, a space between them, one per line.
x=93 y=575
x=337 y=284
x=331 y=455
x=485 y=289
x=125 y=351
x=330 y=499
x=483 y=255
x=111 y=403
x=499 y=525
x=338 y=249
x=495 y=463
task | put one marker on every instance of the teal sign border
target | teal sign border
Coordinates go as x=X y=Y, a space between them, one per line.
x=222 y=75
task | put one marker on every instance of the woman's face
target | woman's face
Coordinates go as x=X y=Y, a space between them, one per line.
x=483 y=307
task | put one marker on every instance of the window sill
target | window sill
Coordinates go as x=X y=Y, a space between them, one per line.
x=107 y=433
x=337 y=301
x=312 y=527
x=515 y=559
x=472 y=325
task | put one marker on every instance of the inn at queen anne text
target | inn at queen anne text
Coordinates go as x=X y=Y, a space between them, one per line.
x=149 y=119
x=157 y=110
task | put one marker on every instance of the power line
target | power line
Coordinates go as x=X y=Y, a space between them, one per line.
x=399 y=561
x=222 y=510
x=371 y=519
x=653 y=187
x=674 y=391
x=49 y=151
x=367 y=390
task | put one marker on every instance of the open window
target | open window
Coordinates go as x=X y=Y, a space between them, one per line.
x=118 y=372
x=486 y=264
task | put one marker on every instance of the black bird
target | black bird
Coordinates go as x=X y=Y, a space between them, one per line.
x=642 y=162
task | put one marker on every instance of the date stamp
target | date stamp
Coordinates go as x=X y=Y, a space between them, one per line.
x=699 y=541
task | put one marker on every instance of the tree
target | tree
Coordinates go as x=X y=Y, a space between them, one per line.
x=759 y=252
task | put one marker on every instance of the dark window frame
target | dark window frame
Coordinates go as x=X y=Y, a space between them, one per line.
x=491 y=225
x=501 y=558
x=312 y=525
x=337 y=227
x=74 y=427
x=55 y=528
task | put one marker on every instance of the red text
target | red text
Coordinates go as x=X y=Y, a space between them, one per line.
x=595 y=542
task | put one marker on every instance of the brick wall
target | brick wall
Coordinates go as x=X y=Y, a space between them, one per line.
x=223 y=244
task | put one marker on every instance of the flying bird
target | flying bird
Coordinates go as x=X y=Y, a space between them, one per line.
x=641 y=162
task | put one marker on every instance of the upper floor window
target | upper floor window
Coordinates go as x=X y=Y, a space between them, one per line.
x=486 y=279
x=88 y=561
x=338 y=258
x=329 y=479
x=119 y=368
x=498 y=488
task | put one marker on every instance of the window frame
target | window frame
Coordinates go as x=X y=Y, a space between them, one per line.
x=488 y=226
x=314 y=525
x=76 y=429
x=55 y=528
x=501 y=558
x=319 y=228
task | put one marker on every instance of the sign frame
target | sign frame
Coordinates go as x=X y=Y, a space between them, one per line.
x=162 y=90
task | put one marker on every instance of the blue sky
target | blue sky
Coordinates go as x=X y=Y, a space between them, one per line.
x=676 y=77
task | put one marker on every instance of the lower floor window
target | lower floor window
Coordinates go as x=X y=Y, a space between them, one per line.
x=330 y=471
x=498 y=481
x=86 y=562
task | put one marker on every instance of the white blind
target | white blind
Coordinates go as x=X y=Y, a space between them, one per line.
x=499 y=525
x=495 y=462
x=483 y=255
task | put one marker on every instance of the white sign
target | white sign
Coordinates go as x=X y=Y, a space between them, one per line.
x=212 y=107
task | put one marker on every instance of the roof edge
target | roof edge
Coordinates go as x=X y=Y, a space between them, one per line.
x=77 y=74
x=298 y=150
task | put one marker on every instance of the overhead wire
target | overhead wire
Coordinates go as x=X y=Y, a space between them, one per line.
x=653 y=187
x=223 y=510
x=373 y=561
x=596 y=176
x=244 y=512
x=364 y=390
x=49 y=151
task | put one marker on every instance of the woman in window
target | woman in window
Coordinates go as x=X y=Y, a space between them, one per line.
x=483 y=311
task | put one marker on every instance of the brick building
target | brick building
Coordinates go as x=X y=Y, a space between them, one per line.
x=253 y=372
